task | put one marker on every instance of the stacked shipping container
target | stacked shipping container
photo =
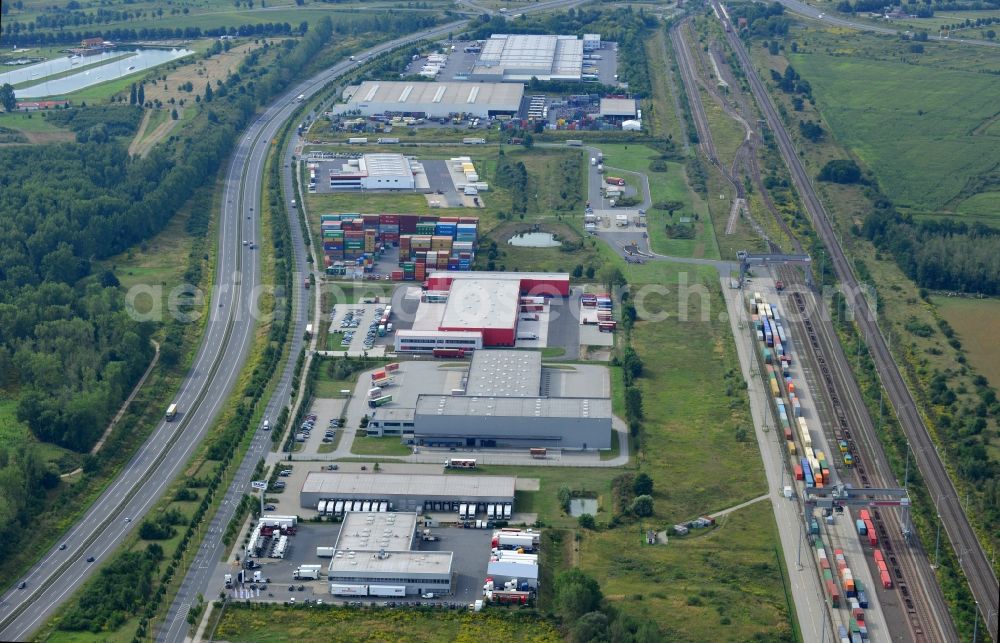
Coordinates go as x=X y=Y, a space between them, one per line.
x=435 y=243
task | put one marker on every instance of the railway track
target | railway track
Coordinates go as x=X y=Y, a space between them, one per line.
x=921 y=603
x=972 y=559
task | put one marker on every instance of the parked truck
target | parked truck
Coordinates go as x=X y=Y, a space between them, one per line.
x=324 y=552
x=380 y=401
x=527 y=336
x=306 y=573
x=537 y=452
x=427 y=536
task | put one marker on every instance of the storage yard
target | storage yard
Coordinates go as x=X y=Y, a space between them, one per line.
x=855 y=583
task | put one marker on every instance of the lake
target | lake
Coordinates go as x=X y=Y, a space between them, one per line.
x=534 y=240
x=580 y=506
x=117 y=64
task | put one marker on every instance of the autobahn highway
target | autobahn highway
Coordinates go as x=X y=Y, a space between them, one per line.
x=972 y=558
x=227 y=337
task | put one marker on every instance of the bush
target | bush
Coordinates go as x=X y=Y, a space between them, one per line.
x=586 y=521
x=642 y=506
x=844 y=171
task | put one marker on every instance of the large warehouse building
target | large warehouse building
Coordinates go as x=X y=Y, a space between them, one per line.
x=433 y=100
x=405 y=492
x=374 y=557
x=503 y=393
x=375 y=172
x=519 y=58
x=472 y=310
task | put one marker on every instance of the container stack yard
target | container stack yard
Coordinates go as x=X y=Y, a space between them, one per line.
x=425 y=242
x=844 y=586
x=440 y=243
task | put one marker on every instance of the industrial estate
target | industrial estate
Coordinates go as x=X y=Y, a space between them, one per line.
x=519 y=321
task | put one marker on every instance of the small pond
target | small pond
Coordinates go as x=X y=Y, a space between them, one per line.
x=534 y=240
x=580 y=506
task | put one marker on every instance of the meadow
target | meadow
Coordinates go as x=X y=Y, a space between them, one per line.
x=970 y=319
x=925 y=129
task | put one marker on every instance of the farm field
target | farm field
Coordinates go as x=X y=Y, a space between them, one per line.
x=927 y=149
x=970 y=319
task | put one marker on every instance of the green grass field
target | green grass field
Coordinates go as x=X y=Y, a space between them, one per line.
x=335 y=624
x=969 y=318
x=390 y=445
x=30 y=122
x=669 y=186
x=914 y=125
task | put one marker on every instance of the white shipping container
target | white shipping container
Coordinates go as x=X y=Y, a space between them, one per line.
x=387 y=590
x=463 y=509
x=516 y=540
x=324 y=552
x=506 y=512
x=339 y=508
x=348 y=590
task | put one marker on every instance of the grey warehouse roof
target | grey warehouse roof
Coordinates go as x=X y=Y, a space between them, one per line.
x=383 y=485
x=543 y=56
x=496 y=275
x=386 y=164
x=373 y=530
x=525 y=407
x=503 y=373
x=482 y=303
x=394 y=562
x=398 y=95
x=618 y=107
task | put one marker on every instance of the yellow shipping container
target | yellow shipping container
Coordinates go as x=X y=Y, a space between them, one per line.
x=791 y=447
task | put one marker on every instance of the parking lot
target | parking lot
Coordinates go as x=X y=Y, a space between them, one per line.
x=356 y=327
x=320 y=425
x=470 y=548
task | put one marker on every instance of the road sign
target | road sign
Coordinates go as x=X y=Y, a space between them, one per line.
x=258 y=484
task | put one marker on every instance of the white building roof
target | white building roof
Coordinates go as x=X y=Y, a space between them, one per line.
x=514 y=407
x=392 y=562
x=429 y=315
x=512 y=570
x=400 y=96
x=386 y=165
x=503 y=373
x=523 y=56
x=374 y=531
x=384 y=485
x=482 y=303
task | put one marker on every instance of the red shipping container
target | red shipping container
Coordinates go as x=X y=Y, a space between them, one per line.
x=864 y=515
x=396 y=275
x=798 y=472
x=877 y=554
x=824 y=563
x=886 y=580
x=788 y=433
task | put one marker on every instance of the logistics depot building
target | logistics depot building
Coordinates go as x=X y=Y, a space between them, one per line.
x=432 y=100
x=472 y=310
x=374 y=556
x=376 y=172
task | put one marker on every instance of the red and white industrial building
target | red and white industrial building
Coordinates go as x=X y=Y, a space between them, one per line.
x=472 y=310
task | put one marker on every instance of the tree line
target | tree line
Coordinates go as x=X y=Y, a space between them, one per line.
x=940 y=255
